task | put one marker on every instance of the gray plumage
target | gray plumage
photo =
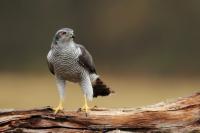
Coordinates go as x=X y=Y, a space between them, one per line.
x=69 y=61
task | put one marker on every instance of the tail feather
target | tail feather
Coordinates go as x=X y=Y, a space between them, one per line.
x=100 y=89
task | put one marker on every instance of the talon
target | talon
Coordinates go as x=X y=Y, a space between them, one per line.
x=59 y=107
x=94 y=108
x=85 y=107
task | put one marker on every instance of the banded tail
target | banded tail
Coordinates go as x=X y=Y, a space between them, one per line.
x=100 y=89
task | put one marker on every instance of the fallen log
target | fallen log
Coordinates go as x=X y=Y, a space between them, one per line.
x=181 y=115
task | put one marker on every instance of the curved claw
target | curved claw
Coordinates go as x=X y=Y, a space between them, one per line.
x=85 y=108
x=59 y=107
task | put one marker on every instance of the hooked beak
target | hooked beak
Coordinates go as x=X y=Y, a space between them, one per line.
x=73 y=36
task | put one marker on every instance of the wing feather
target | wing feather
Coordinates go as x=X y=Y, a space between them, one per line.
x=50 y=65
x=85 y=60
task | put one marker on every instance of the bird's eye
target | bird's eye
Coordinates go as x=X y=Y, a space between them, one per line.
x=63 y=33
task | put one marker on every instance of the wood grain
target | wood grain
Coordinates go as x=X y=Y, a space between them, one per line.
x=181 y=115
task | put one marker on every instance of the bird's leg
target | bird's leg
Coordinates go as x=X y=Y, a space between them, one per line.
x=85 y=106
x=61 y=90
x=87 y=90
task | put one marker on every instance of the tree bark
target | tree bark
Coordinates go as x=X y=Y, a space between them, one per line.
x=181 y=115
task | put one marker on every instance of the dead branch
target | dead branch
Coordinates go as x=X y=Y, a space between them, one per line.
x=182 y=115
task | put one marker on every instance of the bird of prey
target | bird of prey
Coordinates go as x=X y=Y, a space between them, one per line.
x=69 y=61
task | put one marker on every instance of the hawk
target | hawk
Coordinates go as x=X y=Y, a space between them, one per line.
x=69 y=61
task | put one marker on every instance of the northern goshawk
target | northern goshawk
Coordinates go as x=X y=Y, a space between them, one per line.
x=69 y=61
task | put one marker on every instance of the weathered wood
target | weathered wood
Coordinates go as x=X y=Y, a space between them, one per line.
x=182 y=115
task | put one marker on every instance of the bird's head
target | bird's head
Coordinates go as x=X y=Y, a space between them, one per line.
x=63 y=35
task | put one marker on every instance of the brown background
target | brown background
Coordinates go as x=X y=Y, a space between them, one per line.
x=146 y=51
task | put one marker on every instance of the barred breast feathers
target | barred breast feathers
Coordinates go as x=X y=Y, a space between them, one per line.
x=64 y=60
x=50 y=65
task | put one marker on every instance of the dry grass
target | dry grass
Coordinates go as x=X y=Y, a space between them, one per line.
x=30 y=90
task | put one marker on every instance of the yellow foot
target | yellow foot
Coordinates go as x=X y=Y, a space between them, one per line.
x=85 y=107
x=59 y=107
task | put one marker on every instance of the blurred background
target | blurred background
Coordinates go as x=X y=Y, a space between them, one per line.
x=147 y=51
